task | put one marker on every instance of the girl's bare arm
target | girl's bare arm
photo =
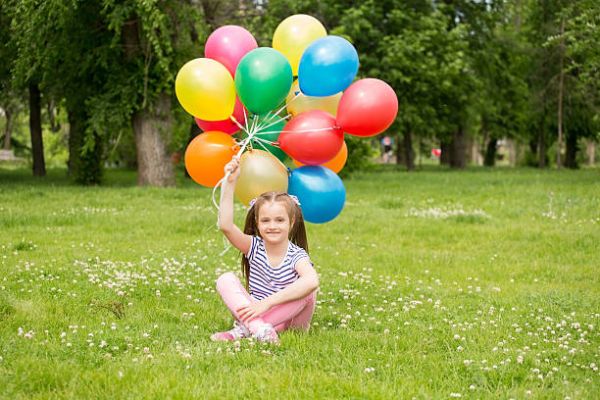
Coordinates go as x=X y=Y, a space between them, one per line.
x=236 y=237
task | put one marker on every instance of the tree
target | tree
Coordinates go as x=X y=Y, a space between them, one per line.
x=28 y=76
x=153 y=39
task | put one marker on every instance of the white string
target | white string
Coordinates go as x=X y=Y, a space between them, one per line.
x=258 y=142
x=303 y=130
x=238 y=124
x=268 y=119
x=243 y=145
x=261 y=140
x=260 y=131
x=245 y=120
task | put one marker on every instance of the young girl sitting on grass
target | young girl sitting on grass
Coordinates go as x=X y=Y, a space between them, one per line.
x=281 y=280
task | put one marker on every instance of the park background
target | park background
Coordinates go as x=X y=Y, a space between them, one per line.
x=472 y=275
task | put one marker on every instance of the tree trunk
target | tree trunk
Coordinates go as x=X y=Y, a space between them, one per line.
x=399 y=150
x=490 y=153
x=591 y=152
x=457 y=149
x=561 y=86
x=35 y=128
x=445 y=156
x=152 y=129
x=571 y=152
x=76 y=132
x=475 y=153
x=152 y=124
x=409 y=154
x=541 y=146
x=8 y=129
x=85 y=159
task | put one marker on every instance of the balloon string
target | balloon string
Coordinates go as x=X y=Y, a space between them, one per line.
x=258 y=142
x=243 y=128
x=276 y=113
x=243 y=145
x=245 y=120
x=303 y=130
x=260 y=131
x=261 y=140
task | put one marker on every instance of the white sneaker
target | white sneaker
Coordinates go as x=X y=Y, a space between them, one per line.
x=266 y=334
x=239 y=331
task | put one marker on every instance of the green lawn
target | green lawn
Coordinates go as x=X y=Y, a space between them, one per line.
x=435 y=284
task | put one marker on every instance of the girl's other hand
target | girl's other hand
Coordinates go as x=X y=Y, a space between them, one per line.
x=233 y=168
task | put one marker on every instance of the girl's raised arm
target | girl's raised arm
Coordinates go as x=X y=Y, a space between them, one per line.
x=236 y=237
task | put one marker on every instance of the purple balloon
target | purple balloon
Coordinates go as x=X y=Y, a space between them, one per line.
x=228 y=45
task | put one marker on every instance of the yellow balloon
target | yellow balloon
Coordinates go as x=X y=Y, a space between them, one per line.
x=205 y=89
x=304 y=103
x=260 y=172
x=294 y=34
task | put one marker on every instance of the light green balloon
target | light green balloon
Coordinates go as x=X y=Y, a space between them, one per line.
x=263 y=79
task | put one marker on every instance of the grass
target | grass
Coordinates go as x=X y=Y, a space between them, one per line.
x=436 y=284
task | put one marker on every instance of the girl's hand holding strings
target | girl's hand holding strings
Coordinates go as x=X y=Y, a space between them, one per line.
x=233 y=168
x=253 y=310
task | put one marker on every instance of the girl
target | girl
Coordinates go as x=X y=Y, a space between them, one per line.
x=279 y=275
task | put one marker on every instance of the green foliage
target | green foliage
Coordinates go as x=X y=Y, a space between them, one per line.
x=360 y=155
x=490 y=68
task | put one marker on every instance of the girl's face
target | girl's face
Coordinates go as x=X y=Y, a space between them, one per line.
x=274 y=222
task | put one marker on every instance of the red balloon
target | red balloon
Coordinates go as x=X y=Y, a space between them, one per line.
x=312 y=137
x=367 y=108
x=226 y=125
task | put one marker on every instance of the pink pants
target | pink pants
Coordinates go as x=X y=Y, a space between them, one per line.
x=293 y=314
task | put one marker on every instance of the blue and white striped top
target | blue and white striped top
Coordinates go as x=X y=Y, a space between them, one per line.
x=266 y=280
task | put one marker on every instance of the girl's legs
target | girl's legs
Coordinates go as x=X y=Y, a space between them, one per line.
x=293 y=314
x=235 y=296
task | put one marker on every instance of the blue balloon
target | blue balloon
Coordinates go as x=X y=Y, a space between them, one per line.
x=321 y=192
x=327 y=66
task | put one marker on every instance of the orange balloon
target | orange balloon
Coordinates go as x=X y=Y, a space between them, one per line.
x=336 y=163
x=206 y=156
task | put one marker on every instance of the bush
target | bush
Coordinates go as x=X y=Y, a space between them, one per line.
x=360 y=155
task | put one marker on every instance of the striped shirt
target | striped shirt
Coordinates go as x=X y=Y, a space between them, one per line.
x=266 y=280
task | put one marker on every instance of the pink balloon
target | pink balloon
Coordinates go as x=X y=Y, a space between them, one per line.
x=228 y=45
x=367 y=107
x=226 y=125
x=311 y=137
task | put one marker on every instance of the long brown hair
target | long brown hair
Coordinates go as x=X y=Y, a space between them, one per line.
x=297 y=233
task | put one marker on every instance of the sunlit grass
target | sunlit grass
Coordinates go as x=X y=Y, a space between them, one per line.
x=436 y=284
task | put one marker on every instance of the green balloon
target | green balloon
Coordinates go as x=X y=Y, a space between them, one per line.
x=263 y=79
x=272 y=136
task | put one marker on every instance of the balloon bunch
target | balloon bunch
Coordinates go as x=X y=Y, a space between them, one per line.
x=295 y=99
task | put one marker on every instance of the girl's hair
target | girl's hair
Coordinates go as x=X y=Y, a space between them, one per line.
x=297 y=233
